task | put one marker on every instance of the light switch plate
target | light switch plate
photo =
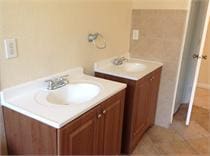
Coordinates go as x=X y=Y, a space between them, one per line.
x=10 y=48
x=135 y=34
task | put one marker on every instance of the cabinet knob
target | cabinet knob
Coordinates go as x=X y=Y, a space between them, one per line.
x=152 y=78
x=104 y=112
x=99 y=116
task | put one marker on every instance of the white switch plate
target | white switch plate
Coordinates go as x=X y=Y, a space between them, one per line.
x=135 y=34
x=10 y=48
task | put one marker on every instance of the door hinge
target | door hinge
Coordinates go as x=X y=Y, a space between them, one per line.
x=196 y=56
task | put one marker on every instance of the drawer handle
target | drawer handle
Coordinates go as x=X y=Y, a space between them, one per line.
x=104 y=112
x=99 y=116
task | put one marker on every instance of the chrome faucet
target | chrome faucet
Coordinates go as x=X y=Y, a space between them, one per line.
x=57 y=82
x=119 y=60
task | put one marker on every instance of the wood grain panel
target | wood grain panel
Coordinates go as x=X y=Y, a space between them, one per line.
x=154 y=90
x=140 y=106
x=94 y=133
x=113 y=119
x=80 y=137
x=28 y=136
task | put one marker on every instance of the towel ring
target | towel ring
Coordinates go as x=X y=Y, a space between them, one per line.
x=93 y=39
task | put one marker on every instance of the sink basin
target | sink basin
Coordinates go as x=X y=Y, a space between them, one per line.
x=76 y=93
x=134 y=67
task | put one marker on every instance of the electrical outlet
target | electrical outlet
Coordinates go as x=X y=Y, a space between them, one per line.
x=10 y=48
x=135 y=34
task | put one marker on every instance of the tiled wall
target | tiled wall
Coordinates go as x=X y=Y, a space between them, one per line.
x=161 y=36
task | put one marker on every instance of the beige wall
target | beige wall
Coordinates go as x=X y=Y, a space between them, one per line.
x=52 y=35
x=160 y=4
x=161 y=35
x=204 y=76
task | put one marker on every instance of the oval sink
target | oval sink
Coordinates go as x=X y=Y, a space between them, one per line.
x=134 y=67
x=71 y=94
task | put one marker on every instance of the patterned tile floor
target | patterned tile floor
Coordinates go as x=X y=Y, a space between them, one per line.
x=179 y=139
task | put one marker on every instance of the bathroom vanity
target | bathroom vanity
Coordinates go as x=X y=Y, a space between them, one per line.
x=143 y=80
x=35 y=124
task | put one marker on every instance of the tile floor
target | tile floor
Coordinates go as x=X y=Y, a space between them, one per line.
x=202 y=98
x=179 y=139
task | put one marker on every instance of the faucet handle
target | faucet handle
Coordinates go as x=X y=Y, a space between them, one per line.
x=64 y=79
x=49 y=81
x=50 y=84
x=64 y=76
x=124 y=58
x=116 y=60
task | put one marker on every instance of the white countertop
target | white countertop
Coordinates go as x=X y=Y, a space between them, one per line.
x=21 y=99
x=107 y=67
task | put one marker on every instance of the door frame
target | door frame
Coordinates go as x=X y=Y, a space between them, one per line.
x=195 y=82
x=181 y=57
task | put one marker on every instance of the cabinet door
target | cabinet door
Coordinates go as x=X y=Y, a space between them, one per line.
x=154 y=89
x=26 y=136
x=80 y=136
x=141 y=107
x=113 y=118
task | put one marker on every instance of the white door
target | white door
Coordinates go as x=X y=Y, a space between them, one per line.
x=197 y=46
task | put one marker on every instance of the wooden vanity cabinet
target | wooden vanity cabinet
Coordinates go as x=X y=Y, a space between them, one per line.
x=140 y=106
x=26 y=136
x=80 y=136
x=98 y=131
x=111 y=127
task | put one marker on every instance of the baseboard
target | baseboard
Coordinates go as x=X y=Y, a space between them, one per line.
x=204 y=85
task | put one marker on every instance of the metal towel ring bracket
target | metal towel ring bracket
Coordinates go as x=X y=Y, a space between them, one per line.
x=93 y=39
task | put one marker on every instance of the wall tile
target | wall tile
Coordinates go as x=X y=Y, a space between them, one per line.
x=159 y=23
x=161 y=36
x=172 y=50
x=149 y=47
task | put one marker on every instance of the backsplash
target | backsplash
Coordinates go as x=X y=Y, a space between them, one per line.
x=160 y=39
